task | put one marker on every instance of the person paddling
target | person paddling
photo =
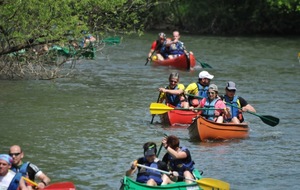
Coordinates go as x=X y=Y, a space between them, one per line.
x=156 y=47
x=235 y=104
x=148 y=176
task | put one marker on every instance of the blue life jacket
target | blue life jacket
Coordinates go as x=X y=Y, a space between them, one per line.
x=14 y=184
x=177 y=49
x=210 y=113
x=202 y=91
x=181 y=165
x=22 y=170
x=145 y=174
x=165 y=51
x=173 y=99
x=234 y=108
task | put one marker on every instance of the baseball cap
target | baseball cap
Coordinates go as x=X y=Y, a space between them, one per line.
x=150 y=151
x=213 y=87
x=205 y=74
x=230 y=85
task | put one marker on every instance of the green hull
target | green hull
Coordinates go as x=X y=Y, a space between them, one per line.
x=130 y=184
x=69 y=51
x=112 y=40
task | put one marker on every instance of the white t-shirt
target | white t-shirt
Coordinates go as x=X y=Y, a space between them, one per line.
x=6 y=180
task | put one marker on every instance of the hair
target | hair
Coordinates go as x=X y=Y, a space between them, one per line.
x=174 y=75
x=149 y=145
x=173 y=141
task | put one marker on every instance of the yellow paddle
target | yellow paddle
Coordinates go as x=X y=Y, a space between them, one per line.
x=29 y=181
x=204 y=183
x=159 y=108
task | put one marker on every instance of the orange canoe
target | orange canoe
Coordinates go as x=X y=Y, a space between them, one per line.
x=203 y=129
x=181 y=62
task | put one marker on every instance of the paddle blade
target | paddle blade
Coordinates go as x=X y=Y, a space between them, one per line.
x=270 y=120
x=210 y=183
x=61 y=186
x=205 y=65
x=158 y=108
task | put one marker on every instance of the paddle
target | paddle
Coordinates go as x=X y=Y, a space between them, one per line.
x=161 y=145
x=54 y=186
x=267 y=119
x=149 y=58
x=204 y=183
x=154 y=114
x=159 y=108
x=203 y=65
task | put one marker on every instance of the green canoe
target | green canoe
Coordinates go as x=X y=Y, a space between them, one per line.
x=70 y=51
x=112 y=40
x=129 y=184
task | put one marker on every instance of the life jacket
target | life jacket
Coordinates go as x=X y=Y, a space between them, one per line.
x=145 y=174
x=209 y=113
x=158 y=47
x=14 y=184
x=165 y=50
x=177 y=48
x=181 y=165
x=202 y=92
x=22 y=170
x=173 y=99
x=235 y=112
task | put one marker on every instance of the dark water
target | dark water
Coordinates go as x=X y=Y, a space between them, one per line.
x=89 y=128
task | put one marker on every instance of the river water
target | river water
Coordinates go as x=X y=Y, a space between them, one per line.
x=87 y=129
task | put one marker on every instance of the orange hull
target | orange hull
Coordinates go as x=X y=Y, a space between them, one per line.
x=203 y=129
x=180 y=62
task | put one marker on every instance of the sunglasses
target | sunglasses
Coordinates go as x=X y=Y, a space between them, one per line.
x=14 y=154
x=210 y=92
x=173 y=81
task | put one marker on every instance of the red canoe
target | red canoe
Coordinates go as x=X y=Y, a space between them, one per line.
x=181 y=62
x=178 y=118
x=203 y=129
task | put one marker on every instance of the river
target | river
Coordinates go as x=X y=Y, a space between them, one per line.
x=88 y=128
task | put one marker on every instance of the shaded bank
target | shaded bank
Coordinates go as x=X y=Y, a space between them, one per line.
x=227 y=17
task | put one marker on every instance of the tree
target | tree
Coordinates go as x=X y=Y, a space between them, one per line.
x=33 y=24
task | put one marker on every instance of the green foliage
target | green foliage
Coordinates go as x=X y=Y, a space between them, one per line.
x=229 y=16
x=28 y=23
x=31 y=24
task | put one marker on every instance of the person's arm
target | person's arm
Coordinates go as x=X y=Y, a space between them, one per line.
x=152 y=49
x=150 y=53
x=22 y=185
x=169 y=91
x=44 y=179
x=132 y=168
x=175 y=154
x=223 y=109
x=245 y=106
x=172 y=152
